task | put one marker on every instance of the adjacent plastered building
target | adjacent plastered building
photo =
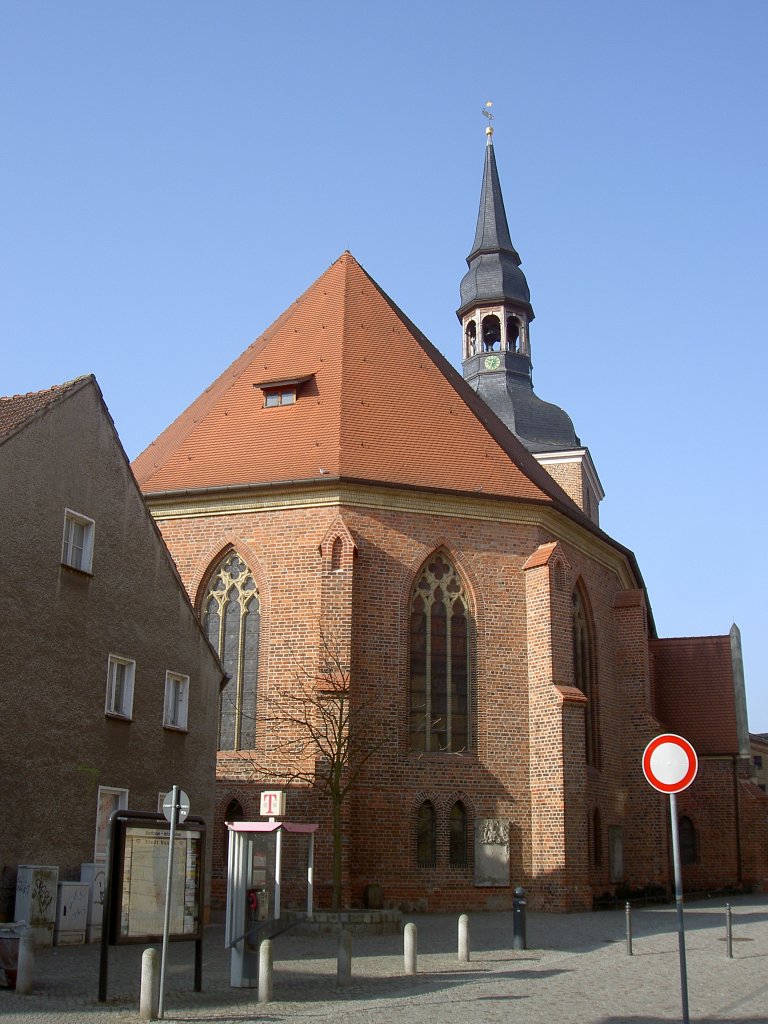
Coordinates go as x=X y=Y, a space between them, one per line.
x=110 y=688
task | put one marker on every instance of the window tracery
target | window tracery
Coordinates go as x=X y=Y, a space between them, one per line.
x=231 y=618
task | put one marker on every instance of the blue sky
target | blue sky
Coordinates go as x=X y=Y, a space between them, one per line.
x=174 y=174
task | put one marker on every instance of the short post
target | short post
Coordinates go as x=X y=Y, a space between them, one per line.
x=26 y=964
x=409 y=946
x=464 y=939
x=149 y=1000
x=265 y=971
x=519 y=939
x=344 y=958
x=728 y=931
x=628 y=914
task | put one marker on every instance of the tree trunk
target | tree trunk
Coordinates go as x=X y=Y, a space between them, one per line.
x=337 y=862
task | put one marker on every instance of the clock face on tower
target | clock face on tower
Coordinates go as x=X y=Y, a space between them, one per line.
x=492 y=362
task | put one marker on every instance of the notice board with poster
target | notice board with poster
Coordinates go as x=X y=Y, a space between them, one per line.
x=140 y=874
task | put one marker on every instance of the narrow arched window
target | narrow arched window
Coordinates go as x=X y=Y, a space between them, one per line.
x=457 y=852
x=426 y=835
x=491 y=327
x=584 y=675
x=439 y=660
x=513 y=334
x=471 y=338
x=336 y=551
x=231 y=618
x=597 y=838
x=687 y=836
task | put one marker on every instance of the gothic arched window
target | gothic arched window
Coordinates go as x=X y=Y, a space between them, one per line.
x=439 y=660
x=231 y=616
x=687 y=836
x=584 y=675
x=457 y=822
x=426 y=835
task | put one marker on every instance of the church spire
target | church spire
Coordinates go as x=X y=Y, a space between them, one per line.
x=495 y=315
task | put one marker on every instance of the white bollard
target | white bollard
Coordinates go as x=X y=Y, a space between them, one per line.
x=409 y=948
x=464 y=939
x=26 y=964
x=265 y=971
x=344 y=960
x=149 y=1000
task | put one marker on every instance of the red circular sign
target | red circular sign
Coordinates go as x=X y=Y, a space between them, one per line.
x=670 y=763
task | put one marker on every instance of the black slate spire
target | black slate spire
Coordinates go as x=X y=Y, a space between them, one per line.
x=494 y=273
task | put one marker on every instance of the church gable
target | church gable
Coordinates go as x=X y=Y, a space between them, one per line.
x=343 y=386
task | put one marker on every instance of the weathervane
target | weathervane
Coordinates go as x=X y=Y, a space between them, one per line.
x=487 y=113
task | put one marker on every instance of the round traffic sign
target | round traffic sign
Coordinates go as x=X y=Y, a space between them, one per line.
x=183 y=804
x=670 y=763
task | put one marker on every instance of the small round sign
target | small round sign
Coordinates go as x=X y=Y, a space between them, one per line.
x=183 y=801
x=670 y=763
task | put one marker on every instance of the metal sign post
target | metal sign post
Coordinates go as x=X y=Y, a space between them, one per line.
x=670 y=765
x=175 y=809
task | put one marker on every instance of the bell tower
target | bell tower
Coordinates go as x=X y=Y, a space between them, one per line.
x=495 y=315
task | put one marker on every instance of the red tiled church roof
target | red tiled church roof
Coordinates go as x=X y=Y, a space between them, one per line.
x=16 y=410
x=379 y=404
x=694 y=691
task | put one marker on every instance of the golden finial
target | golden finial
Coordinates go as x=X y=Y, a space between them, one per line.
x=487 y=113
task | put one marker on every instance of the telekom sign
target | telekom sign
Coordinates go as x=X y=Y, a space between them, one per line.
x=670 y=763
x=272 y=803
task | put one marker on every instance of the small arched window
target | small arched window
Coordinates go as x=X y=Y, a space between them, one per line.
x=426 y=835
x=584 y=674
x=336 y=551
x=491 y=332
x=439 y=660
x=231 y=621
x=471 y=338
x=596 y=849
x=513 y=334
x=457 y=853
x=687 y=836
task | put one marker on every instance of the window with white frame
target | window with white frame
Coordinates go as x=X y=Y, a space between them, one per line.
x=120 y=676
x=108 y=800
x=176 y=700
x=77 y=545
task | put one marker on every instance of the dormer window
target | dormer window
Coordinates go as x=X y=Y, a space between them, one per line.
x=284 y=396
x=282 y=392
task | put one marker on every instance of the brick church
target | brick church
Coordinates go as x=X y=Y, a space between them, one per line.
x=342 y=488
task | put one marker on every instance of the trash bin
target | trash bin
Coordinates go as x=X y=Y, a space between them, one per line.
x=10 y=936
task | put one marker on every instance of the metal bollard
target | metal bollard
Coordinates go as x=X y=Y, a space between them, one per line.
x=344 y=958
x=409 y=948
x=628 y=913
x=728 y=931
x=265 y=971
x=464 y=939
x=149 y=1000
x=519 y=940
x=26 y=965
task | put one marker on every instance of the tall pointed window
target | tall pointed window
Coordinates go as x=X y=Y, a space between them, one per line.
x=457 y=822
x=426 y=835
x=231 y=617
x=439 y=660
x=584 y=675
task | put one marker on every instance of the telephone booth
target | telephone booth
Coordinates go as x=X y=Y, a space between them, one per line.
x=253 y=889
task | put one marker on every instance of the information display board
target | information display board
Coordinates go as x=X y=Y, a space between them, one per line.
x=142 y=868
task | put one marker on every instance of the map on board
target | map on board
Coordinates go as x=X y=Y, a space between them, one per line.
x=144 y=878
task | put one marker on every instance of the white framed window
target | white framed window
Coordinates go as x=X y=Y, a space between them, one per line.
x=77 y=545
x=120 y=676
x=176 y=700
x=109 y=799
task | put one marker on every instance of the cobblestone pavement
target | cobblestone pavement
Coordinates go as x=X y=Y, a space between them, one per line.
x=576 y=970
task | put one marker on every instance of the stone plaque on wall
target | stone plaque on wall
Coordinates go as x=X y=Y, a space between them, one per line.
x=491 y=851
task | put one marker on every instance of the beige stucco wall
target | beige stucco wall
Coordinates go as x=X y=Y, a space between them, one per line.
x=58 y=629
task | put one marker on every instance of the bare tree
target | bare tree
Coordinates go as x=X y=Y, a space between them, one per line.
x=322 y=735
